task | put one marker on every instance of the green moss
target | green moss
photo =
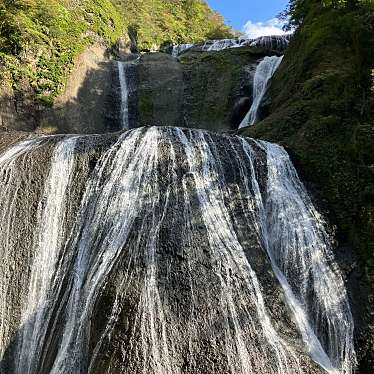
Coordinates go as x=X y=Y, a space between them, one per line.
x=155 y=22
x=322 y=111
x=212 y=100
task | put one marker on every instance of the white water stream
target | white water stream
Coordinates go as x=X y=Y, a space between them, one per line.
x=209 y=188
x=264 y=72
x=49 y=242
x=124 y=85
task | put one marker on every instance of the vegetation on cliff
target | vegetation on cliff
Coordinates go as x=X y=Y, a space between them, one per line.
x=40 y=39
x=322 y=111
x=156 y=22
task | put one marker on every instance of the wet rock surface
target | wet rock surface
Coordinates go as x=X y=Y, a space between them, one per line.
x=159 y=90
x=165 y=303
x=208 y=90
x=197 y=90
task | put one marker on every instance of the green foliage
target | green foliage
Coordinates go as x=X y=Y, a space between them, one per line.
x=40 y=39
x=322 y=111
x=155 y=22
x=297 y=10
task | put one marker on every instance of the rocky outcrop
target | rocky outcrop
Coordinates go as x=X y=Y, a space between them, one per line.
x=18 y=110
x=199 y=89
x=322 y=110
x=90 y=102
x=160 y=90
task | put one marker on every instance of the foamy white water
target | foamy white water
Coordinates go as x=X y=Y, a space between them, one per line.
x=264 y=73
x=181 y=48
x=124 y=85
x=49 y=243
x=11 y=163
x=179 y=233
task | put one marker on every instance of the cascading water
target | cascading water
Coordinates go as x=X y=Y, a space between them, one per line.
x=295 y=238
x=274 y=42
x=168 y=266
x=180 y=48
x=124 y=89
x=264 y=72
x=300 y=247
x=10 y=187
x=220 y=45
x=48 y=245
x=125 y=76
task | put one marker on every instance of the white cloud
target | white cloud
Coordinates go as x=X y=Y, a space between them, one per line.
x=270 y=27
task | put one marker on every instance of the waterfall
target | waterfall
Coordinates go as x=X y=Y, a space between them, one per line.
x=274 y=42
x=127 y=186
x=264 y=72
x=180 y=48
x=229 y=252
x=187 y=252
x=49 y=242
x=10 y=188
x=295 y=238
x=299 y=247
x=126 y=72
x=220 y=45
x=124 y=86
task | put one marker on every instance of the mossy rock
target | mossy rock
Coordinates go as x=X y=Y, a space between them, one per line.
x=322 y=112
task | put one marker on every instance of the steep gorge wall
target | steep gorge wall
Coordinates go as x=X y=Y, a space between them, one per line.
x=41 y=42
x=200 y=89
x=322 y=111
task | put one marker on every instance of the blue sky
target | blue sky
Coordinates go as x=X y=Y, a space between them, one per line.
x=258 y=15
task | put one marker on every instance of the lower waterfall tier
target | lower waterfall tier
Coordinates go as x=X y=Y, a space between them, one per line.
x=164 y=251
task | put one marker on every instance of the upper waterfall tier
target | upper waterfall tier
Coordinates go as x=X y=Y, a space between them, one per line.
x=264 y=73
x=165 y=251
x=275 y=43
x=106 y=95
x=126 y=87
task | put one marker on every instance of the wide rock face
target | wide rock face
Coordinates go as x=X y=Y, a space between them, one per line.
x=144 y=253
x=199 y=89
x=89 y=104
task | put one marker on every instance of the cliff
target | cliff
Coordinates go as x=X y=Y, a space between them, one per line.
x=41 y=43
x=322 y=111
